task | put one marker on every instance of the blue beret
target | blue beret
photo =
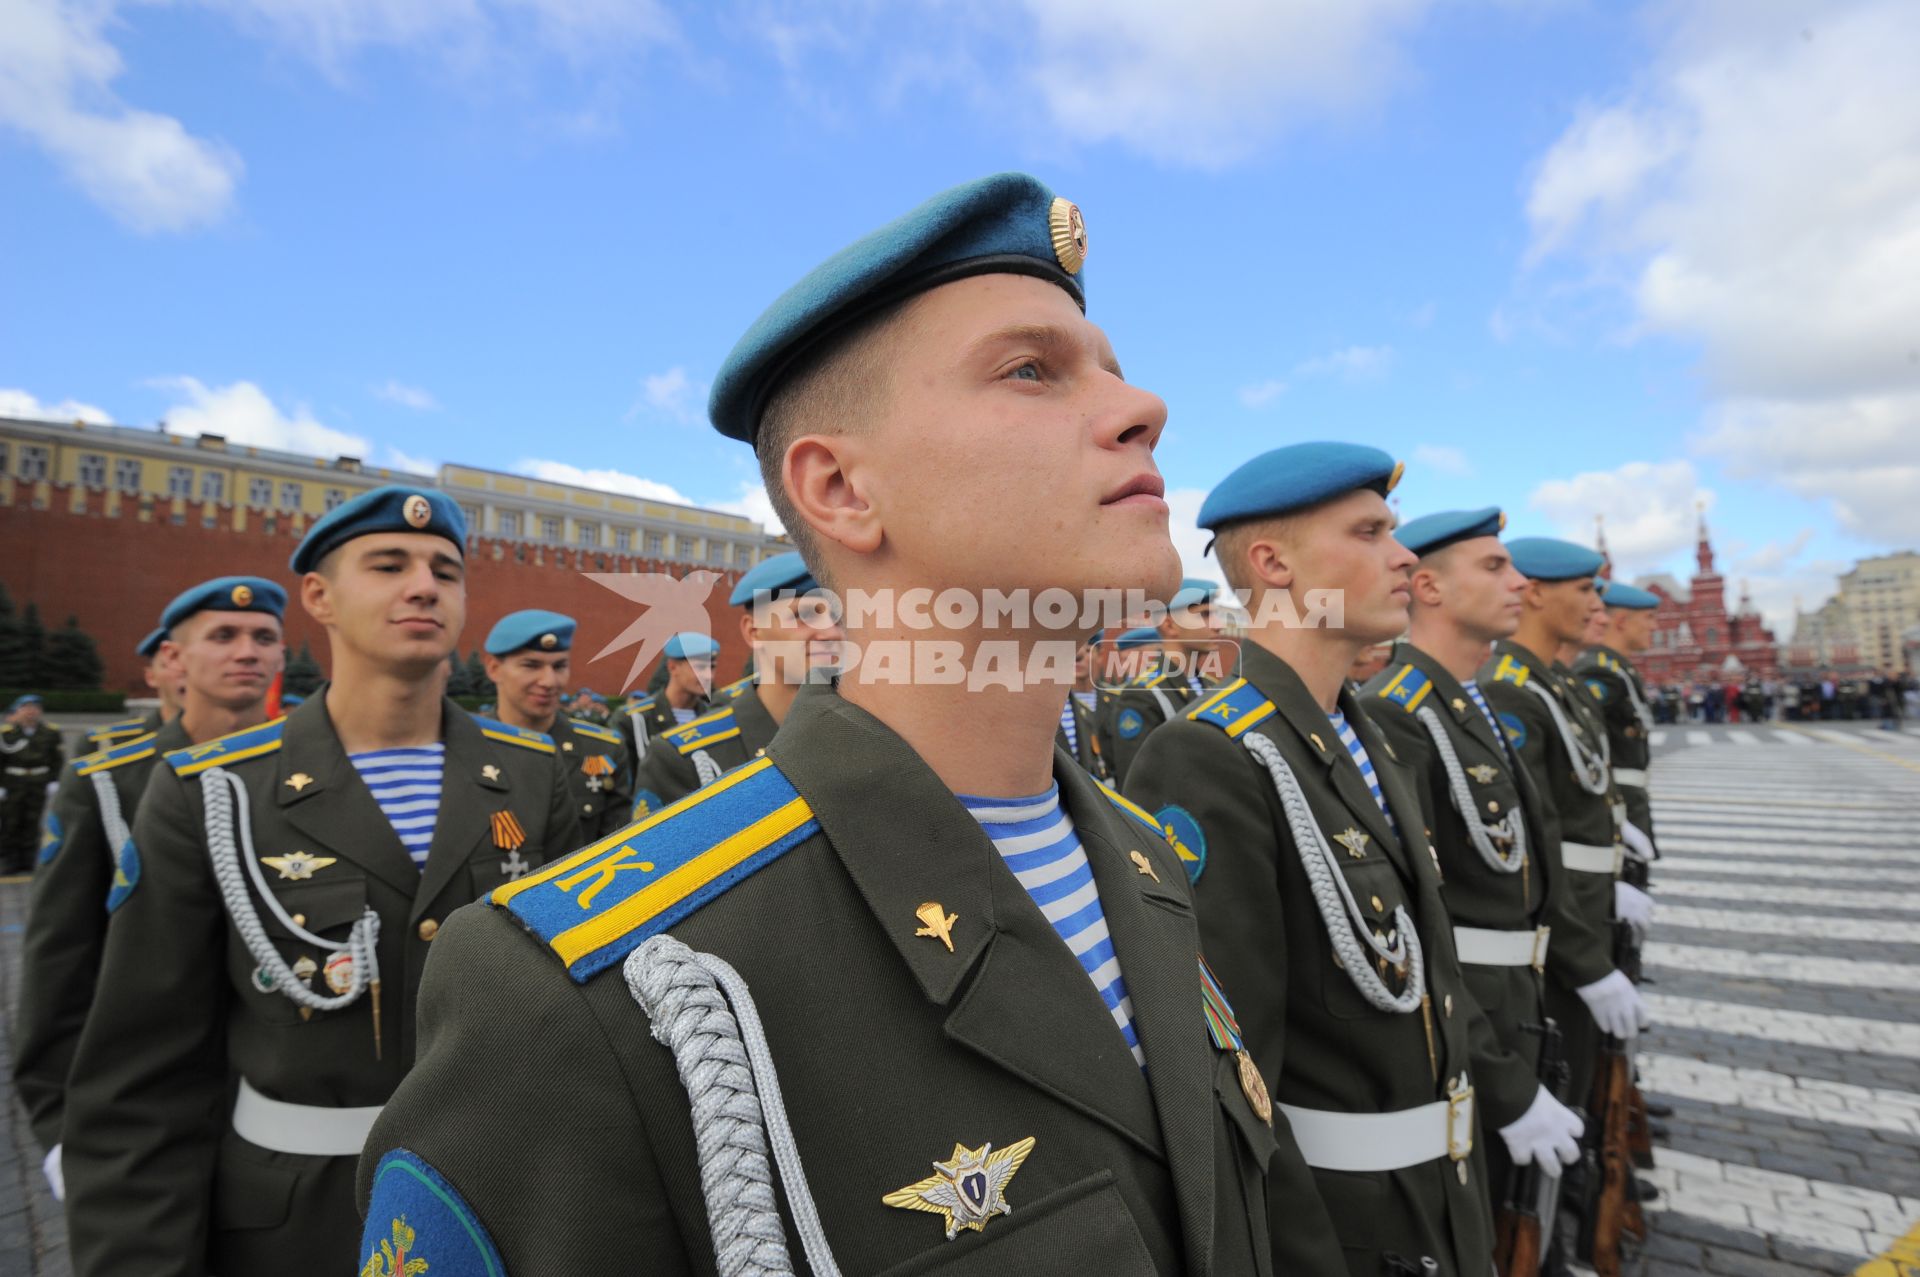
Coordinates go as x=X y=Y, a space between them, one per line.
x=691 y=643
x=393 y=508
x=225 y=594
x=781 y=574
x=149 y=645
x=1620 y=594
x=546 y=631
x=1432 y=532
x=1009 y=223
x=1141 y=637
x=289 y=699
x=20 y=702
x=1295 y=477
x=1193 y=590
x=1551 y=559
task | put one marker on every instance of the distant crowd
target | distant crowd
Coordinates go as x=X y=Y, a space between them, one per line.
x=1890 y=696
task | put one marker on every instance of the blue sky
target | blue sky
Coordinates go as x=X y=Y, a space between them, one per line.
x=1564 y=257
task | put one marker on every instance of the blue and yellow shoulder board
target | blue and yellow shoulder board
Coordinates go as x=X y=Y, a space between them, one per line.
x=1407 y=688
x=594 y=731
x=604 y=901
x=113 y=733
x=225 y=751
x=1154 y=678
x=127 y=751
x=1233 y=709
x=417 y=1222
x=703 y=731
x=524 y=737
x=735 y=690
x=1509 y=670
x=644 y=703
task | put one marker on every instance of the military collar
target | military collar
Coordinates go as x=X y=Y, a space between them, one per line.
x=1538 y=671
x=756 y=725
x=1451 y=693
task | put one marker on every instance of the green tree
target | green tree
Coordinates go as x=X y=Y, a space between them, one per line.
x=478 y=684
x=33 y=646
x=303 y=673
x=458 y=683
x=16 y=668
x=71 y=659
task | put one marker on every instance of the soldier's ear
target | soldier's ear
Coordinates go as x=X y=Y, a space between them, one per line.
x=823 y=480
x=316 y=595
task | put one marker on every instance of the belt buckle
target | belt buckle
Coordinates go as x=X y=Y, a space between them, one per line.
x=1540 y=937
x=1460 y=1120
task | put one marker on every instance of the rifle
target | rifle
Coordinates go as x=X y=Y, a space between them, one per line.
x=1613 y=1210
x=1524 y=1225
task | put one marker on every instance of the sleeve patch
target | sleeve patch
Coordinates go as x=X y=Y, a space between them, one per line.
x=1599 y=688
x=1131 y=724
x=1515 y=729
x=645 y=803
x=126 y=875
x=52 y=835
x=1186 y=837
x=418 y=1223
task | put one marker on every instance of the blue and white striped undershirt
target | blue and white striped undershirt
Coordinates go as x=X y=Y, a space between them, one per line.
x=1499 y=733
x=406 y=784
x=1037 y=840
x=1365 y=764
x=1068 y=726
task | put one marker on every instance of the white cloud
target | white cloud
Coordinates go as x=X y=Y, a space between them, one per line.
x=1757 y=193
x=1444 y=460
x=620 y=481
x=394 y=459
x=671 y=394
x=407 y=396
x=20 y=404
x=246 y=415
x=1183 y=521
x=1351 y=363
x=1650 y=509
x=1262 y=394
x=751 y=502
x=146 y=169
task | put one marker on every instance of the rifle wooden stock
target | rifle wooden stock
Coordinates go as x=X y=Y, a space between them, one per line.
x=1516 y=1244
x=1518 y=1232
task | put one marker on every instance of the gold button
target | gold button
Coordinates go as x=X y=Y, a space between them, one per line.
x=299 y=919
x=429 y=929
x=1493 y=804
x=1377 y=906
x=587 y=808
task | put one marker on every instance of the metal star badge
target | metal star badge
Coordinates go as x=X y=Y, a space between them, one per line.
x=1483 y=773
x=298 y=865
x=1354 y=841
x=969 y=1188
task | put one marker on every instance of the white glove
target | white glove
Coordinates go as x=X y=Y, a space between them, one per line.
x=1633 y=907
x=1548 y=1130
x=1615 y=1004
x=1639 y=846
x=57 y=1181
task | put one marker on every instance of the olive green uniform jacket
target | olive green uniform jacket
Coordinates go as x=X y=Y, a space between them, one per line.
x=1408 y=700
x=1621 y=694
x=1084 y=748
x=544 y=1103
x=159 y=1184
x=28 y=764
x=735 y=730
x=67 y=923
x=1128 y=716
x=1323 y=1046
x=599 y=776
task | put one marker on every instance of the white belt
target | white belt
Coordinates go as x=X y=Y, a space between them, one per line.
x=1384 y=1141
x=1633 y=776
x=1483 y=947
x=1590 y=860
x=310 y=1129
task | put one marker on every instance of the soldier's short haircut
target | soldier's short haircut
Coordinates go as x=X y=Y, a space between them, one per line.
x=834 y=391
x=1230 y=547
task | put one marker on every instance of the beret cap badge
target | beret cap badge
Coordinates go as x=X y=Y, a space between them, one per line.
x=1069 y=231
x=417 y=512
x=242 y=595
x=549 y=641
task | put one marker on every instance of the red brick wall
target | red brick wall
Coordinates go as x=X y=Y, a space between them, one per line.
x=115 y=573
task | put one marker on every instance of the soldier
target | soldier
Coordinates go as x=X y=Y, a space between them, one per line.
x=1080 y=716
x=220 y=643
x=30 y=758
x=794 y=639
x=1189 y=640
x=1485 y=820
x=168 y=692
x=529 y=656
x=256 y=996
x=1608 y=672
x=929 y=405
x=1567 y=763
x=1318 y=894
x=683 y=697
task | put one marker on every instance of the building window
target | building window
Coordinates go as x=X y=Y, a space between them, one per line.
x=743 y=555
x=684 y=549
x=33 y=462
x=549 y=528
x=590 y=534
x=3 y=456
x=656 y=544
x=716 y=553
x=623 y=539
x=93 y=470
x=126 y=474
x=471 y=513
x=180 y=482
x=509 y=523
x=289 y=496
x=334 y=497
x=259 y=493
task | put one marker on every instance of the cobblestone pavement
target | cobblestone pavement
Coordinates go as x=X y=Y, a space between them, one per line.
x=1786 y=969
